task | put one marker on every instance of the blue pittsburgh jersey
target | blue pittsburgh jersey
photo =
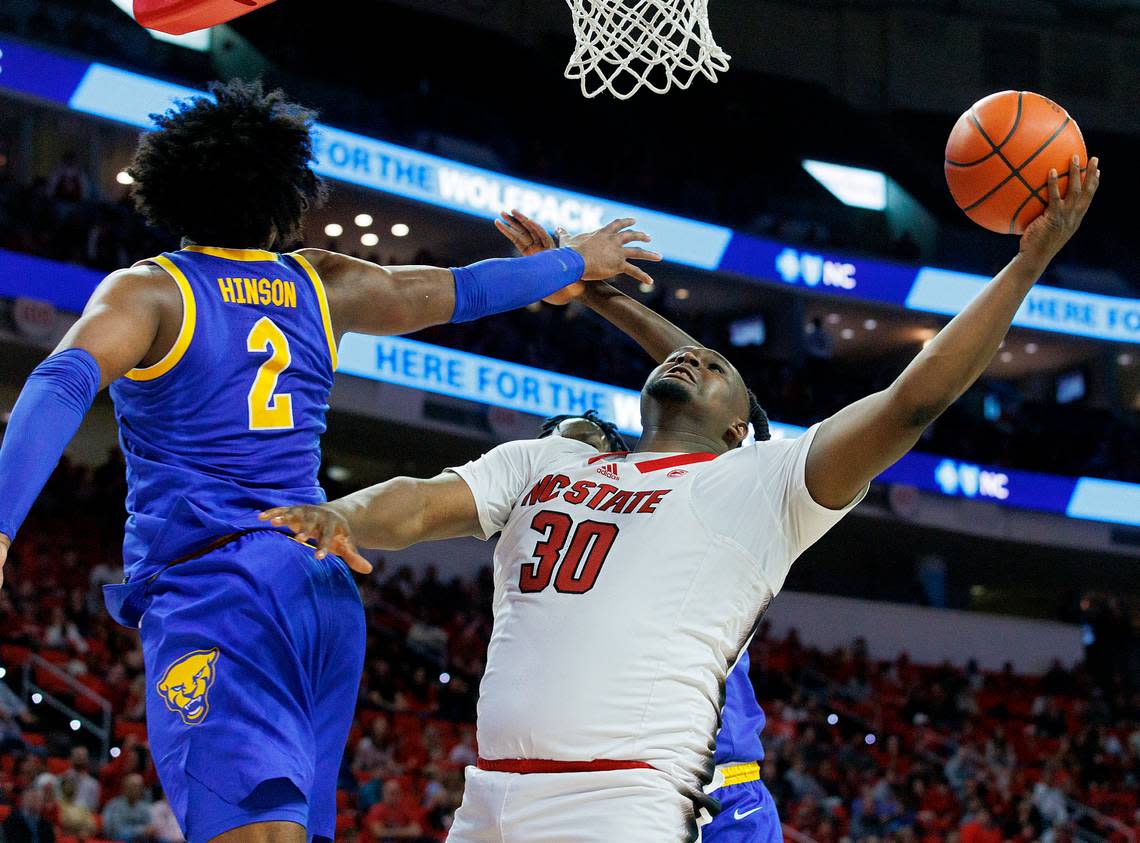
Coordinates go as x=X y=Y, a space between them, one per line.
x=229 y=421
x=742 y=719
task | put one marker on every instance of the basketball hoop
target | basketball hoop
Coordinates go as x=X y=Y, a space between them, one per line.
x=626 y=45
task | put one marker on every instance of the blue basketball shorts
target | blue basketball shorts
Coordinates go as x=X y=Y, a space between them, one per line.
x=748 y=815
x=254 y=652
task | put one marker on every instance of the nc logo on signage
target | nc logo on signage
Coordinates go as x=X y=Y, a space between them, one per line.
x=814 y=270
x=970 y=480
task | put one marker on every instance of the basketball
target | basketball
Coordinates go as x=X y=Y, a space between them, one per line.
x=1000 y=153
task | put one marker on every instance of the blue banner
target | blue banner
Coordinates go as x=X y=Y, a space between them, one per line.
x=540 y=392
x=131 y=98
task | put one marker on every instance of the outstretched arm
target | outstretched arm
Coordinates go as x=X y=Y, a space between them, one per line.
x=860 y=441
x=117 y=330
x=375 y=299
x=388 y=516
x=653 y=332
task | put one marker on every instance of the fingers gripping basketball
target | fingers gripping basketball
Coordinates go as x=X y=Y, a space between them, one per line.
x=1000 y=153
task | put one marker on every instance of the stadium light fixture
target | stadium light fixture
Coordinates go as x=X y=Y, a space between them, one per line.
x=852 y=186
x=363 y=220
x=123 y=177
x=400 y=229
x=369 y=239
x=334 y=229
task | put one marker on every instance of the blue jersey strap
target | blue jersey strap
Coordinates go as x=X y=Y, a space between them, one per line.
x=55 y=398
x=496 y=286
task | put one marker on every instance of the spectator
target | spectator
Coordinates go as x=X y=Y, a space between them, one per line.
x=463 y=753
x=87 y=789
x=75 y=818
x=69 y=184
x=393 y=819
x=27 y=824
x=374 y=754
x=163 y=824
x=127 y=817
x=61 y=633
x=980 y=829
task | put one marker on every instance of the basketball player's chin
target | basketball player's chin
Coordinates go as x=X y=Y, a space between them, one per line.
x=670 y=390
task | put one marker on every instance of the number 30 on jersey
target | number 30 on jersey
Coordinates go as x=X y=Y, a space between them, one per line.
x=588 y=548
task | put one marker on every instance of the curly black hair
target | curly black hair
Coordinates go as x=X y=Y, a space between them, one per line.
x=613 y=437
x=231 y=169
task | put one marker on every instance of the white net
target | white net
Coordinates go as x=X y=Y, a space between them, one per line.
x=626 y=45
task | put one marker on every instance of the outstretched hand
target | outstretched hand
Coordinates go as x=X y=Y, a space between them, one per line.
x=323 y=525
x=1047 y=234
x=606 y=251
x=530 y=238
x=525 y=234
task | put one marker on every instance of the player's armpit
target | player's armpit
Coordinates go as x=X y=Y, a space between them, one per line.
x=855 y=445
x=120 y=323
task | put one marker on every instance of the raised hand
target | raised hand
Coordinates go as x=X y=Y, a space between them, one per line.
x=525 y=234
x=1046 y=235
x=324 y=525
x=530 y=238
x=607 y=252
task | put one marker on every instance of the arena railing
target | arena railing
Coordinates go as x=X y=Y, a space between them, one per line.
x=77 y=719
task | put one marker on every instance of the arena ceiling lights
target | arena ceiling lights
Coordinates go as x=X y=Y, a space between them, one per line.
x=852 y=186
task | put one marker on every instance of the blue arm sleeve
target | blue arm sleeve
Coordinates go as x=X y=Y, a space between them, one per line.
x=496 y=286
x=55 y=398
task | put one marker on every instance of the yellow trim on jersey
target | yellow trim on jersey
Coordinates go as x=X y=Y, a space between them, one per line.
x=740 y=773
x=233 y=254
x=185 y=333
x=322 y=299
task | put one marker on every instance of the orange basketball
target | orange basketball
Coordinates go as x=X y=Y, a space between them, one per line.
x=1000 y=153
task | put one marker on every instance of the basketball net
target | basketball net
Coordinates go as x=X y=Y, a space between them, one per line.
x=626 y=45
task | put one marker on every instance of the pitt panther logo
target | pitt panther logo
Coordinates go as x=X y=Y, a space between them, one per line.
x=185 y=687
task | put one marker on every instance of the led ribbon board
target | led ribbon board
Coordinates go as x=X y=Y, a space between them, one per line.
x=540 y=392
x=130 y=98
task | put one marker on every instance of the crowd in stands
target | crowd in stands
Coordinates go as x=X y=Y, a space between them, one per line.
x=857 y=749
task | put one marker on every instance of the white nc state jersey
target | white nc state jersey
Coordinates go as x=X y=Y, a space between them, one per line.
x=625 y=587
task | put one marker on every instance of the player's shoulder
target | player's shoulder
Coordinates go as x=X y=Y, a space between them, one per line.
x=760 y=453
x=144 y=280
x=332 y=267
x=548 y=450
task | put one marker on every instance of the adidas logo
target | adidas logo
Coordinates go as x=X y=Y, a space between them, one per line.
x=609 y=470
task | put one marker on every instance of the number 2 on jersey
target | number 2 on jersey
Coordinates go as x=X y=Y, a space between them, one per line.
x=589 y=546
x=268 y=411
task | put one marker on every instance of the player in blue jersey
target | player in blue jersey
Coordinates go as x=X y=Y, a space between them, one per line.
x=219 y=358
x=747 y=811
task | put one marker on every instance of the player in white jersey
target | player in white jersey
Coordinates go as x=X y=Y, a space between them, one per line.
x=626 y=584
